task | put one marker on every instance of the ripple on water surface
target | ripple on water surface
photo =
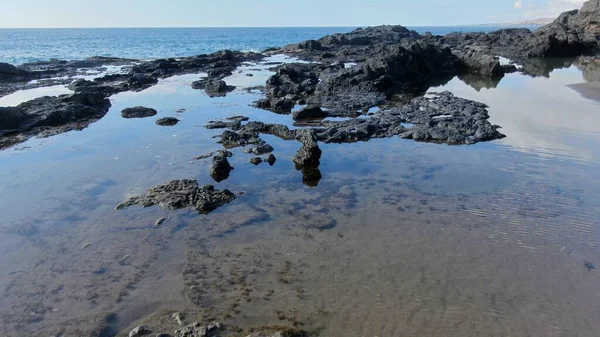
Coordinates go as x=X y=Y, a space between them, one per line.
x=397 y=238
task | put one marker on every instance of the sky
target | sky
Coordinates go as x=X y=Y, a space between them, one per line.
x=269 y=13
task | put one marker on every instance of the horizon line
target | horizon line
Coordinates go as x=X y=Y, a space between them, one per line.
x=221 y=27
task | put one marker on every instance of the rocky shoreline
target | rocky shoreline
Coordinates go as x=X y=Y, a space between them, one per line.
x=389 y=68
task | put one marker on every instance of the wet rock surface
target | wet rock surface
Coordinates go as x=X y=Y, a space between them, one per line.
x=46 y=116
x=213 y=87
x=167 y=121
x=138 y=112
x=185 y=193
x=220 y=168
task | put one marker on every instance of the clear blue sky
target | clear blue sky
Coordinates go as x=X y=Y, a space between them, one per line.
x=263 y=13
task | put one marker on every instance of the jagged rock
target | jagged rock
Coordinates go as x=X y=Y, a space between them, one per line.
x=167 y=121
x=138 y=112
x=140 y=331
x=176 y=194
x=271 y=159
x=220 y=168
x=198 y=330
x=256 y=160
x=310 y=153
x=213 y=87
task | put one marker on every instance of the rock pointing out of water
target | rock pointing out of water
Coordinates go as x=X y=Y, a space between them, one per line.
x=220 y=168
x=138 y=112
x=177 y=194
x=167 y=121
x=310 y=153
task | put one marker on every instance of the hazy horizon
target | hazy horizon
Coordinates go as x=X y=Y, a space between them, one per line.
x=273 y=14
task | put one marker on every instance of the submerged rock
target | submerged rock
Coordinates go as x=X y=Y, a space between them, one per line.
x=138 y=112
x=184 y=193
x=167 y=121
x=198 y=330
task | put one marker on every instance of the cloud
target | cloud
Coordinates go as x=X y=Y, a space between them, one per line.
x=518 y=4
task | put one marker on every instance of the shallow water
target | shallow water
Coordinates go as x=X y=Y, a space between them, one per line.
x=397 y=238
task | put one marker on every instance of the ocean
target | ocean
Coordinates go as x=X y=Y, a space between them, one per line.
x=19 y=46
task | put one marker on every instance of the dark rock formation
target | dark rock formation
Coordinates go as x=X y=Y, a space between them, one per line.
x=310 y=153
x=177 y=194
x=138 y=112
x=220 y=168
x=256 y=160
x=309 y=113
x=10 y=72
x=443 y=118
x=213 y=87
x=261 y=149
x=48 y=115
x=271 y=159
x=167 y=121
x=307 y=159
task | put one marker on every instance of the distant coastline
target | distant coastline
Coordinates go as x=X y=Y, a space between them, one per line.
x=533 y=22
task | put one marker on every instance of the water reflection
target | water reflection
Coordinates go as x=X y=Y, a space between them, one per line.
x=398 y=235
x=542 y=115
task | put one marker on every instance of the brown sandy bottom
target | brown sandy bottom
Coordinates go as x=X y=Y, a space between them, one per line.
x=379 y=255
x=365 y=260
x=398 y=239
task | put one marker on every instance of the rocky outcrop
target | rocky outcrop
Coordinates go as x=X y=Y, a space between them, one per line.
x=10 y=72
x=185 y=193
x=138 y=112
x=167 y=121
x=50 y=115
x=310 y=112
x=221 y=168
x=310 y=153
x=213 y=87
